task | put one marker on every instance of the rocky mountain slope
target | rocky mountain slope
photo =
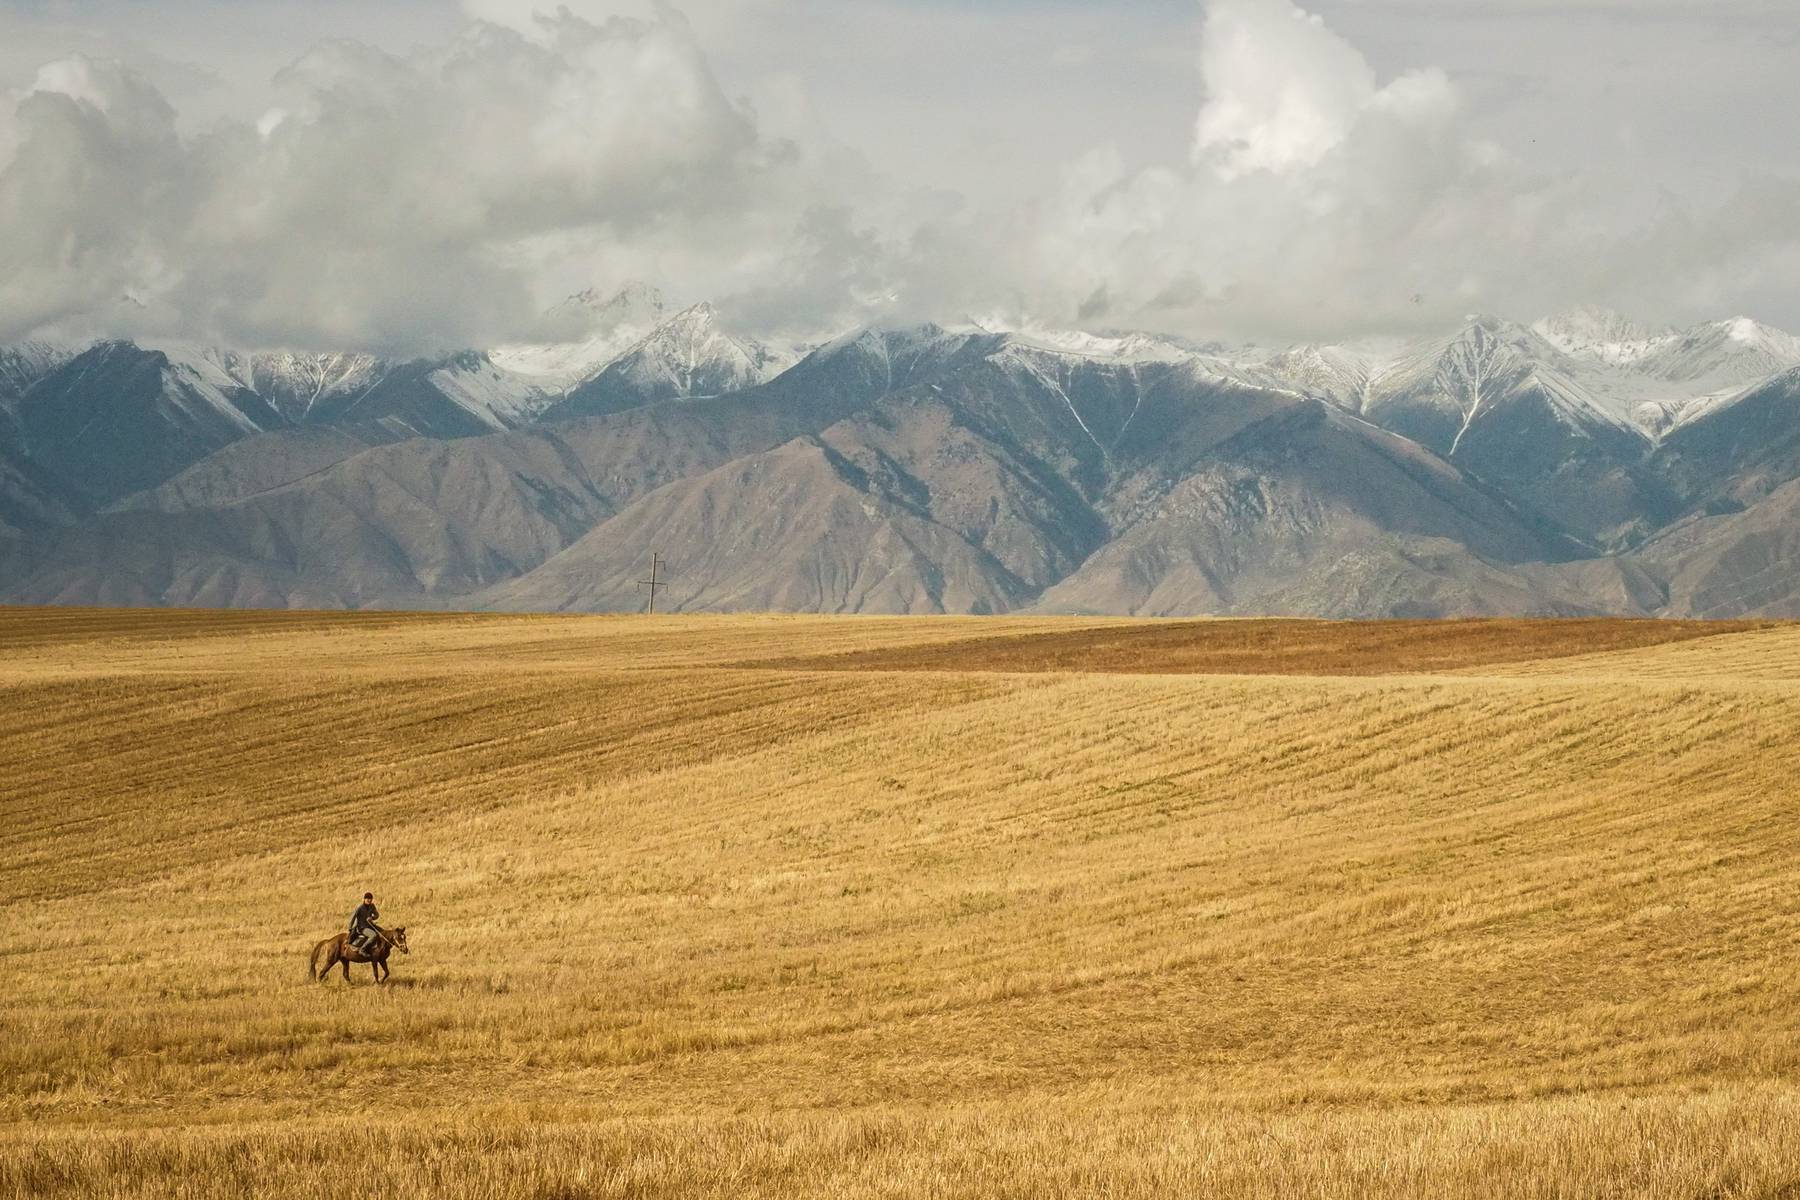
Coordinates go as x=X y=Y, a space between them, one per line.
x=1581 y=464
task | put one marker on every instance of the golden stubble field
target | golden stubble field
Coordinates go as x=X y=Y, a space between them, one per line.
x=774 y=906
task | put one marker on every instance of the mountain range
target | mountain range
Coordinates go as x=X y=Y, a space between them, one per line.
x=1579 y=464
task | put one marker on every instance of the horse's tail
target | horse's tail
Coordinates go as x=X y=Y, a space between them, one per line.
x=313 y=970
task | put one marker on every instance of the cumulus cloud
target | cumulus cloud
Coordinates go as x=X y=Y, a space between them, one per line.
x=1320 y=201
x=1316 y=200
x=398 y=203
x=1282 y=90
x=425 y=201
x=90 y=194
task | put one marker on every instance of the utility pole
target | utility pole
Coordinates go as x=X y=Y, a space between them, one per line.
x=653 y=583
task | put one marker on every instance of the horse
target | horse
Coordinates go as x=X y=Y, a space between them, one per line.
x=338 y=950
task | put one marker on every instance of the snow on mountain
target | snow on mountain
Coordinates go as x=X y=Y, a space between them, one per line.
x=875 y=360
x=687 y=356
x=501 y=388
x=1210 y=363
x=198 y=378
x=1119 y=347
x=295 y=382
x=613 y=323
x=690 y=355
x=27 y=362
x=1501 y=401
x=884 y=342
x=1671 y=415
x=311 y=388
x=1663 y=380
x=1453 y=383
x=497 y=396
x=119 y=417
x=1736 y=351
x=1599 y=334
x=1596 y=361
x=1494 y=468
x=292 y=382
x=1588 y=367
x=1340 y=374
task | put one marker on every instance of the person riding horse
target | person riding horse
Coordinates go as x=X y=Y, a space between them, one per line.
x=366 y=942
x=363 y=929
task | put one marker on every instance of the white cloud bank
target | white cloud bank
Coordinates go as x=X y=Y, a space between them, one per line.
x=1319 y=201
x=438 y=200
x=396 y=203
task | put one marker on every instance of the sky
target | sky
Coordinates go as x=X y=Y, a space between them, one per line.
x=415 y=176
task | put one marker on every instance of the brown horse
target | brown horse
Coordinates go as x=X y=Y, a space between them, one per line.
x=338 y=950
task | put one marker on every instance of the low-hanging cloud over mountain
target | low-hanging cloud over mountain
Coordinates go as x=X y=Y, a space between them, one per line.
x=438 y=198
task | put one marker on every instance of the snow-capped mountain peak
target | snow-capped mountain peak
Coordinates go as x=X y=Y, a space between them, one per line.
x=690 y=354
x=1485 y=349
x=1754 y=335
x=607 y=324
x=1109 y=347
x=1723 y=352
x=303 y=380
x=697 y=320
x=1447 y=388
x=291 y=381
x=24 y=363
x=1339 y=374
x=1597 y=333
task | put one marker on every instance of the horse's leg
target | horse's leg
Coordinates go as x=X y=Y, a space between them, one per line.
x=344 y=961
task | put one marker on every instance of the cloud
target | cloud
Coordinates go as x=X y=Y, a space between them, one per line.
x=89 y=195
x=439 y=198
x=1694 y=10
x=1320 y=201
x=400 y=203
x=1316 y=199
x=1282 y=91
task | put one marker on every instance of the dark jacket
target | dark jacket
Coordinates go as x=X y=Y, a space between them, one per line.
x=364 y=917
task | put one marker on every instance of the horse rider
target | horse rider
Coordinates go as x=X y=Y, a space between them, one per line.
x=363 y=930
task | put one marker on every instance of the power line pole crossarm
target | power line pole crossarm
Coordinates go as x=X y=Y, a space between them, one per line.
x=654 y=583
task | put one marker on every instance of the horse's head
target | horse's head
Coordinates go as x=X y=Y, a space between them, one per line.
x=400 y=939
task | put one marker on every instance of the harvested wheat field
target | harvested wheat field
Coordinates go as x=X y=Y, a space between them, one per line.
x=863 y=907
